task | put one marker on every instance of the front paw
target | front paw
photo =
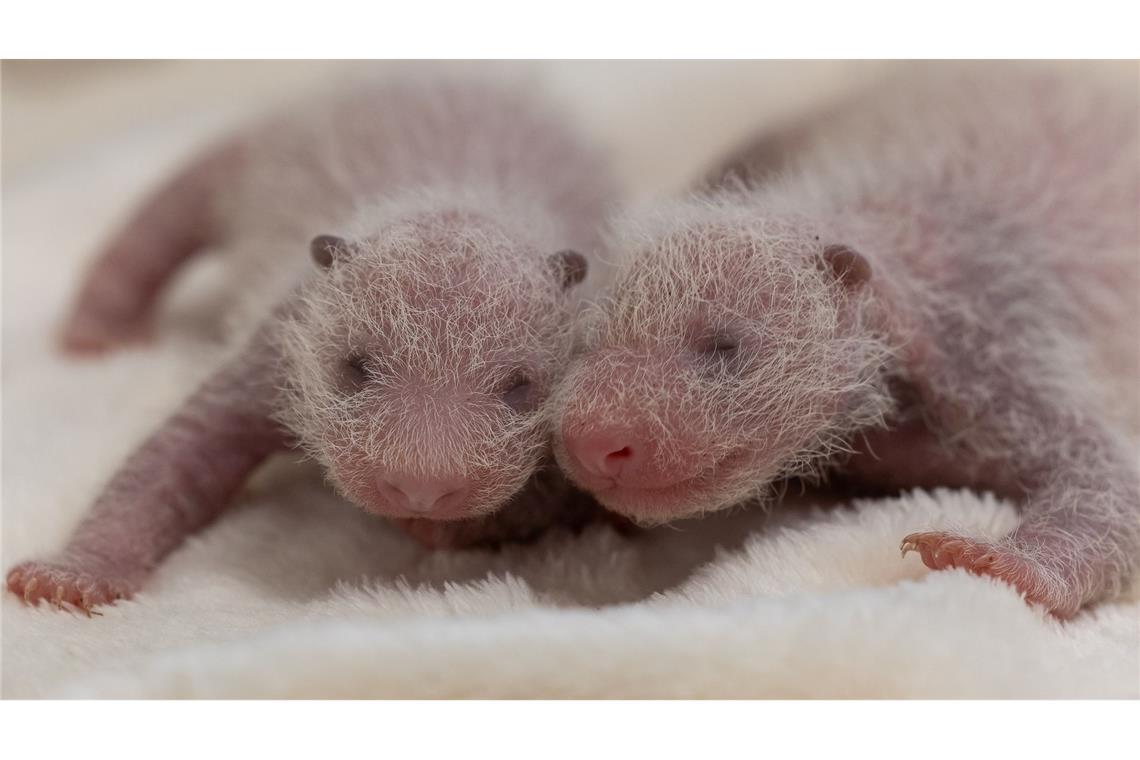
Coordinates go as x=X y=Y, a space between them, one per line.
x=63 y=583
x=1003 y=560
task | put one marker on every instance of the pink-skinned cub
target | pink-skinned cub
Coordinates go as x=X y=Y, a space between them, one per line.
x=451 y=222
x=938 y=287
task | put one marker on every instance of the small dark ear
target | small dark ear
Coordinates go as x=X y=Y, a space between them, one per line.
x=848 y=265
x=326 y=249
x=569 y=267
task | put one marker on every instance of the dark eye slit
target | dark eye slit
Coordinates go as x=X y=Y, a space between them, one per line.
x=720 y=344
x=516 y=390
x=513 y=381
x=724 y=344
x=356 y=369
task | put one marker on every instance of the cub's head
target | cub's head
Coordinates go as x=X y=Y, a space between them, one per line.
x=419 y=360
x=731 y=350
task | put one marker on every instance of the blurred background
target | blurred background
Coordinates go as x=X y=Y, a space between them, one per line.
x=661 y=118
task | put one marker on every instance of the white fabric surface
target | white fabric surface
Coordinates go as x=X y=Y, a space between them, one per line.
x=295 y=594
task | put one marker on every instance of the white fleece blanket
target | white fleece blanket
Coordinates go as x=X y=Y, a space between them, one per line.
x=296 y=594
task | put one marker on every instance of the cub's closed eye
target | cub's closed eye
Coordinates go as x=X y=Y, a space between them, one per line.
x=355 y=371
x=720 y=344
x=724 y=345
x=517 y=391
x=718 y=353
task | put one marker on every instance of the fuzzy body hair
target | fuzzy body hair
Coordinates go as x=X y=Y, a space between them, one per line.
x=414 y=365
x=997 y=208
x=446 y=307
x=394 y=148
x=454 y=197
x=710 y=266
x=450 y=219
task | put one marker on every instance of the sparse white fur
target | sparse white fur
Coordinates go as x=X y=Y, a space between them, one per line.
x=409 y=145
x=454 y=196
x=997 y=207
x=686 y=251
x=413 y=363
x=293 y=595
x=442 y=327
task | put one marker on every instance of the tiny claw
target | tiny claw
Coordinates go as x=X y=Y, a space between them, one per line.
x=28 y=589
x=907 y=545
x=58 y=600
x=985 y=561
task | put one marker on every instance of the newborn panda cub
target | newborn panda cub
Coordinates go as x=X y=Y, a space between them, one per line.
x=413 y=362
x=937 y=289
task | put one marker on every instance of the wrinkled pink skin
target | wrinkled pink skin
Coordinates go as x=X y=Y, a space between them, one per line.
x=187 y=472
x=179 y=480
x=991 y=397
x=1068 y=550
x=1065 y=553
x=428 y=436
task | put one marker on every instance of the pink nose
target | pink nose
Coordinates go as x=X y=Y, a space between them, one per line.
x=423 y=495
x=607 y=456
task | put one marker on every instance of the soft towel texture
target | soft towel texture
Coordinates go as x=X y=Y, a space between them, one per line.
x=295 y=594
